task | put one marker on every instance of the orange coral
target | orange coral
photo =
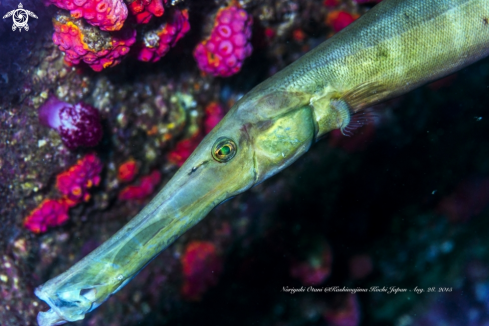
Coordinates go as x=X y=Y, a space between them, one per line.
x=127 y=170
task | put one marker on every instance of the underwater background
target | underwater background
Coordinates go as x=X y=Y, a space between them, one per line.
x=402 y=203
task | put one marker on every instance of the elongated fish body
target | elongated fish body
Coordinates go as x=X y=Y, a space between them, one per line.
x=395 y=47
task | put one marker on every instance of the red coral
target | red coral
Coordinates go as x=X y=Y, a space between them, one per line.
x=108 y=15
x=223 y=53
x=330 y=3
x=50 y=213
x=143 y=10
x=158 y=42
x=183 y=149
x=77 y=180
x=213 y=114
x=127 y=170
x=201 y=268
x=143 y=190
x=340 y=19
x=82 y=42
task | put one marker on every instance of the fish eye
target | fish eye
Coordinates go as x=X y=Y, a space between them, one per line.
x=224 y=150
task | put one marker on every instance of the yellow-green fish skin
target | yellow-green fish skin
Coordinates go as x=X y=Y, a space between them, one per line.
x=395 y=47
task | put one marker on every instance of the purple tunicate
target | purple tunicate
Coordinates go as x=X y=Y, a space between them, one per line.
x=78 y=125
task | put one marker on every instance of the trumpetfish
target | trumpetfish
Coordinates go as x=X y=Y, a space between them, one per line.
x=395 y=47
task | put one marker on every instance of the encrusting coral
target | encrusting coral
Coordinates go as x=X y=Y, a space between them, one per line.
x=108 y=15
x=83 y=42
x=223 y=52
x=156 y=43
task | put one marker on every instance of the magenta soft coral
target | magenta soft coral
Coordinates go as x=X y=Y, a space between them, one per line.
x=82 y=42
x=77 y=124
x=143 y=190
x=157 y=43
x=75 y=183
x=143 y=10
x=223 y=53
x=50 y=213
x=108 y=15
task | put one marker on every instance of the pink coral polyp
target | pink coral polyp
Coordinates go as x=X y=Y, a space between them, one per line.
x=157 y=43
x=108 y=15
x=82 y=42
x=50 y=213
x=223 y=52
x=75 y=183
x=144 y=10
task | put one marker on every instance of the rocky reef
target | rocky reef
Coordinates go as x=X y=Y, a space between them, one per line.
x=401 y=203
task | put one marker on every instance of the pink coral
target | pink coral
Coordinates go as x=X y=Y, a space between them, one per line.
x=75 y=183
x=158 y=42
x=213 y=115
x=82 y=42
x=143 y=190
x=201 y=268
x=50 y=213
x=223 y=53
x=143 y=10
x=338 y=20
x=108 y=15
x=78 y=124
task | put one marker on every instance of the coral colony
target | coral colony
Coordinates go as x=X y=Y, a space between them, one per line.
x=74 y=185
x=82 y=42
x=223 y=52
x=156 y=43
x=108 y=15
